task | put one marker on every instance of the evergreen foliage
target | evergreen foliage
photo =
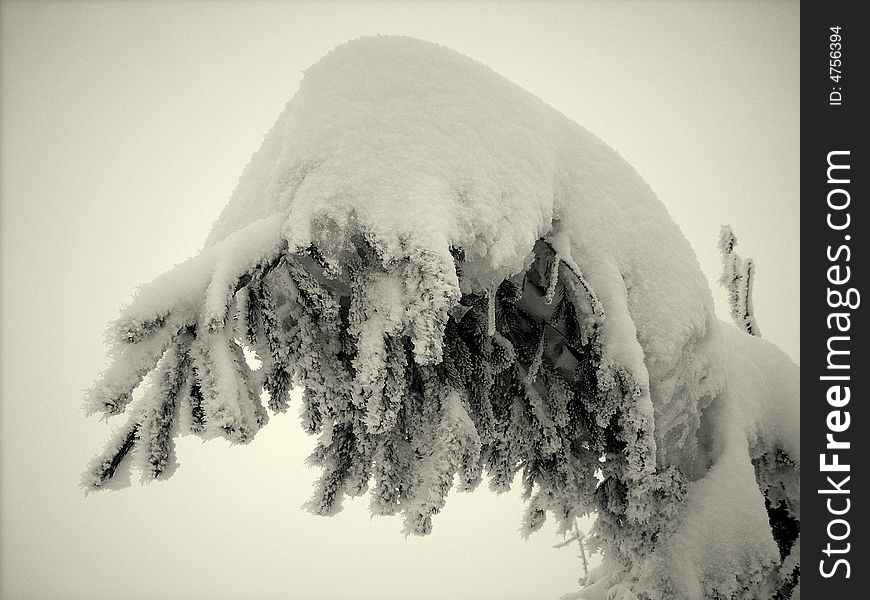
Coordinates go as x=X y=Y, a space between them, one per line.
x=510 y=383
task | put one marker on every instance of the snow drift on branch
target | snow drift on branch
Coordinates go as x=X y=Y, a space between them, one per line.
x=464 y=282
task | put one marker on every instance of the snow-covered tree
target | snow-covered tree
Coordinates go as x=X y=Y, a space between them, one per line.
x=738 y=275
x=467 y=284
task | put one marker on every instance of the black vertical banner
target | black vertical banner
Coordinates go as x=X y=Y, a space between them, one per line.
x=835 y=420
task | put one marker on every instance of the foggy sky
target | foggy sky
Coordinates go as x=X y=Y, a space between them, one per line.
x=124 y=129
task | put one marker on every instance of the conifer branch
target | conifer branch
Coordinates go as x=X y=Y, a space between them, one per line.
x=738 y=276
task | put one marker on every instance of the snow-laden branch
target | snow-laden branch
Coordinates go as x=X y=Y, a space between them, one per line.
x=465 y=284
x=738 y=275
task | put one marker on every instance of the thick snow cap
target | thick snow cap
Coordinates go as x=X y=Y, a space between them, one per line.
x=407 y=140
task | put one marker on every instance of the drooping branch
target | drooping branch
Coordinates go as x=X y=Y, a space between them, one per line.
x=401 y=283
x=518 y=386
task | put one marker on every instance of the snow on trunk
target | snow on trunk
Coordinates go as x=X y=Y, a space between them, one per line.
x=465 y=281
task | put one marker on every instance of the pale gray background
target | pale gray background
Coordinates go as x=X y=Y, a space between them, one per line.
x=124 y=129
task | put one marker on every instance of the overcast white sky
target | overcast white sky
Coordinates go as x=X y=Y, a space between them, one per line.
x=124 y=129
